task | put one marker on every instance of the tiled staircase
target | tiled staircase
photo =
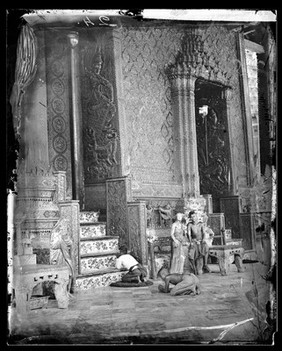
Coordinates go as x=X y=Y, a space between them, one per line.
x=97 y=253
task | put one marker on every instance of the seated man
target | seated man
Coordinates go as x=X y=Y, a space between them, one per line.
x=136 y=272
x=185 y=284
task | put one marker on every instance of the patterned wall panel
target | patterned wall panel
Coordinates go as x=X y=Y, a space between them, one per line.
x=57 y=75
x=145 y=52
x=117 y=214
x=137 y=230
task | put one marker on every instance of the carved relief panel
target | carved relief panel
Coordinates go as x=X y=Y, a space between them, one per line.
x=100 y=124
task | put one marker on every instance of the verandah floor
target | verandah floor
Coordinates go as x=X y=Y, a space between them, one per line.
x=143 y=315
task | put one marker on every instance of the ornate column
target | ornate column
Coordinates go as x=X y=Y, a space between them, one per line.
x=190 y=139
x=183 y=102
x=246 y=109
x=227 y=95
x=76 y=133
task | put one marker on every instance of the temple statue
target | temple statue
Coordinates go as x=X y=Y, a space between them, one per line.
x=166 y=215
x=61 y=248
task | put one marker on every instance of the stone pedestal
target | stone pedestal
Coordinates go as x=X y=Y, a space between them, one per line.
x=27 y=277
x=24 y=260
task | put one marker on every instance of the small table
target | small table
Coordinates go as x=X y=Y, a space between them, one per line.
x=223 y=253
x=162 y=243
x=27 y=277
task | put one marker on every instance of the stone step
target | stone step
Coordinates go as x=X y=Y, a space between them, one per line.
x=90 y=264
x=98 y=245
x=92 y=230
x=98 y=279
x=89 y=216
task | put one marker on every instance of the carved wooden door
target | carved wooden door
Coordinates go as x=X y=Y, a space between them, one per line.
x=212 y=141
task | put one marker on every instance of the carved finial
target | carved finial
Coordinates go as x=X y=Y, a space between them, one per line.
x=73 y=37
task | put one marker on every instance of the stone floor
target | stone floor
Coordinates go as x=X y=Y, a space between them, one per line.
x=230 y=309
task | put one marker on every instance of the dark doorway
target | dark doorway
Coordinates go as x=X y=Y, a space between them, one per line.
x=212 y=141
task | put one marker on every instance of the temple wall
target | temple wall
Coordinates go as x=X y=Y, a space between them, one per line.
x=146 y=52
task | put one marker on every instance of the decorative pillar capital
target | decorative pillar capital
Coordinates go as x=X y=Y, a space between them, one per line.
x=182 y=78
x=73 y=38
x=180 y=71
x=227 y=93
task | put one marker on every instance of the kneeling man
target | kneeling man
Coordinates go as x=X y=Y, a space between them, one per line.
x=185 y=284
x=136 y=272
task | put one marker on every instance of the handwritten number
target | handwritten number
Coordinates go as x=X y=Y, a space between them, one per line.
x=105 y=18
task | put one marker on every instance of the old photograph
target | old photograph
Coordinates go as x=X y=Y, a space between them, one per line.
x=141 y=176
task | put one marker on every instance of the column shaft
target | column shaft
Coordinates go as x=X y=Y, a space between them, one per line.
x=77 y=170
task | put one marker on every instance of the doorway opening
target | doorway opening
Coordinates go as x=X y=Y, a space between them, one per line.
x=213 y=142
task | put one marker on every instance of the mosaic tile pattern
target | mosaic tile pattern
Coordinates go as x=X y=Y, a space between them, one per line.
x=98 y=281
x=94 y=264
x=98 y=246
x=89 y=216
x=92 y=230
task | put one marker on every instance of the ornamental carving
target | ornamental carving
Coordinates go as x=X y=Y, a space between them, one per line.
x=117 y=216
x=60 y=143
x=57 y=68
x=100 y=133
x=59 y=124
x=58 y=86
x=209 y=53
x=58 y=105
x=102 y=155
x=60 y=163
x=213 y=143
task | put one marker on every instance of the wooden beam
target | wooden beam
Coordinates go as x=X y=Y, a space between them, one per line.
x=252 y=46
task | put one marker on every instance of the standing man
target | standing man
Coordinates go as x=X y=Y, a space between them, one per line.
x=198 y=250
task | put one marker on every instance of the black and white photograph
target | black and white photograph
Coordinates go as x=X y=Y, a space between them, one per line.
x=141 y=178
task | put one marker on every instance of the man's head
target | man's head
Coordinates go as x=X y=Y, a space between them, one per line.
x=163 y=272
x=193 y=215
x=179 y=216
x=123 y=249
